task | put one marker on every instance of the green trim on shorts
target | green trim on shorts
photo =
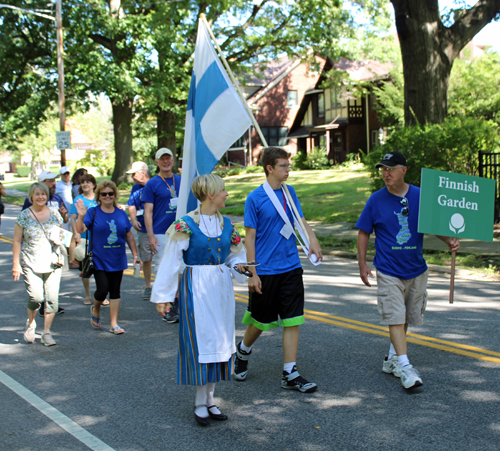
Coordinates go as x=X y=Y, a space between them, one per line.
x=248 y=320
x=290 y=322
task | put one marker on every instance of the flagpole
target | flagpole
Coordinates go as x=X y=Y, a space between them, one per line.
x=231 y=76
x=249 y=111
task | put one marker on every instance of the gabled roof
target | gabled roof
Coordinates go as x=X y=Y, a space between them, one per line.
x=366 y=70
x=269 y=71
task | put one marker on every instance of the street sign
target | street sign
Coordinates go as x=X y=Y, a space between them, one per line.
x=63 y=140
x=456 y=205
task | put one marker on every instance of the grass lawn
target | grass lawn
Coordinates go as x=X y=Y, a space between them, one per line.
x=327 y=196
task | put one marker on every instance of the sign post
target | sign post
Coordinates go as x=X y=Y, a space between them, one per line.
x=456 y=205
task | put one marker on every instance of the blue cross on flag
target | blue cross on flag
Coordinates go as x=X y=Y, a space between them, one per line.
x=215 y=118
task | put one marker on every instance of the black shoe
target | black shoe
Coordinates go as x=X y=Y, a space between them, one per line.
x=202 y=421
x=60 y=311
x=294 y=381
x=216 y=416
x=241 y=363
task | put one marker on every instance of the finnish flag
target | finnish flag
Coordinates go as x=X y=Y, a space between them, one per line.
x=215 y=118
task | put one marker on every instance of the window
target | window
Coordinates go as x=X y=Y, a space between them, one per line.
x=321 y=105
x=240 y=143
x=335 y=92
x=374 y=137
x=291 y=98
x=275 y=136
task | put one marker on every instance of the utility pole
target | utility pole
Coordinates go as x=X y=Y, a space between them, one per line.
x=60 y=70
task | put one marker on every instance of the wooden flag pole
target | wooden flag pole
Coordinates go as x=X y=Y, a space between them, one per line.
x=452 y=275
x=231 y=76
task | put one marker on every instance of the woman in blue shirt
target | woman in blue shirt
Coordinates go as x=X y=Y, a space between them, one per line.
x=109 y=229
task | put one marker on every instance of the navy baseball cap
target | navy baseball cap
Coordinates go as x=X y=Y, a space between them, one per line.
x=392 y=159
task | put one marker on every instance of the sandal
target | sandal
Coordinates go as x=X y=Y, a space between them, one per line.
x=105 y=302
x=87 y=301
x=93 y=319
x=117 y=330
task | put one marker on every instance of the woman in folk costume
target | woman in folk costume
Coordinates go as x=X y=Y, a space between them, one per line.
x=203 y=244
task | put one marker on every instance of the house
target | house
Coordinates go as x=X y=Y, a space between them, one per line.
x=337 y=119
x=294 y=111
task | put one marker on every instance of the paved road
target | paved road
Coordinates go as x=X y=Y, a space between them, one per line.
x=106 y=392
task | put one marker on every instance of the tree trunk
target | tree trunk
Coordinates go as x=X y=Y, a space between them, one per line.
x=426 y=67
x=428 y=50
x=165 y=129
x=122 y=128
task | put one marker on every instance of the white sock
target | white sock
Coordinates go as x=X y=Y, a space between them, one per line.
x=403 y=360
x=392 y=352
x=245 y=348
x=288 y=367
x=200 y=400
x=210 y=398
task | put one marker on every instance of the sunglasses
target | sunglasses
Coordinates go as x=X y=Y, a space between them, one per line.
x=404 y=202
x=107 y=193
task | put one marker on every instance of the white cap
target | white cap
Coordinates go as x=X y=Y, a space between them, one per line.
x=138 y=166
x=163 y=151
x=47 y=175
x=64 y=170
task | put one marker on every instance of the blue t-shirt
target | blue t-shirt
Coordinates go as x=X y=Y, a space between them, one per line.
x=157 y=192
x=135 y=200
x=88 y=203
x=54 y=201
x=275 y=254
x=108 y=238
x=398 y=245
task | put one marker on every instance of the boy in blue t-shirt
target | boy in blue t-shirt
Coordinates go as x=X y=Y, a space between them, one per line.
x=276 y=287
x=402 y=273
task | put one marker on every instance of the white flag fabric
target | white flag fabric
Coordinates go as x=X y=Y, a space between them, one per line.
x=215 y=118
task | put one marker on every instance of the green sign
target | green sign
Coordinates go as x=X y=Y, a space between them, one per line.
x=456 y=205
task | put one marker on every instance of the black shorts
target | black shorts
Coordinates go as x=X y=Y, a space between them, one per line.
x=282 y=300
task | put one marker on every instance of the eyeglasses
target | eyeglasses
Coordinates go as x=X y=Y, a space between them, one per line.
x=107 y=193
x=283 y=166
x=405 y=210
x=389 y=170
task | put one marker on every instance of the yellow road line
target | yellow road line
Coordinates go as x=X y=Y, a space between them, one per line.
x=431 y=342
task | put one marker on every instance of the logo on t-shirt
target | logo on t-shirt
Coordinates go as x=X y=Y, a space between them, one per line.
x=113 y=237
x=404 y=234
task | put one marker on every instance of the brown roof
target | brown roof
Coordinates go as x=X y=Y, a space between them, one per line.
x=365 y=70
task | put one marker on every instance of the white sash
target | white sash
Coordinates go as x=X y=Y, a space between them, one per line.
x=302 y=236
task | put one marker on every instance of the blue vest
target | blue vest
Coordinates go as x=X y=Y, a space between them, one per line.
x=204 y=250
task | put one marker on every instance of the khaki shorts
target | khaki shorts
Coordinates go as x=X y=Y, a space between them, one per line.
x=145 y=253
x=402 y=301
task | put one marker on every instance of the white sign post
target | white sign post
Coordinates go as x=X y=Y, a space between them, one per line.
x=63 y=140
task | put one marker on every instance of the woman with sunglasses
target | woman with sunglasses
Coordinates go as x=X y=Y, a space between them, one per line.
x=204 y=243
x=109 y=230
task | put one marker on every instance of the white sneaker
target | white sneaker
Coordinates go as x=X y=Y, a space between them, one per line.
x=392 y=366
x=410 y=378
x=47 y=339
x=29 y=332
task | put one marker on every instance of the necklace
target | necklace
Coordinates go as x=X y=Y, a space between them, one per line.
x=215 y=237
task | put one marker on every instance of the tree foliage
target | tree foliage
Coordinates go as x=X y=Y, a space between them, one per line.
x=475 y=87
x=451 y=146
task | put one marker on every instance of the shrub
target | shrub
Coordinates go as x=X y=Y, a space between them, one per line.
x=316 y=159
x=451 y=146
x=253 y=169
x=55 y=169
x=23 y=171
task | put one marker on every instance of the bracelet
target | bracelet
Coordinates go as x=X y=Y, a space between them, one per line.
x=135 y=256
